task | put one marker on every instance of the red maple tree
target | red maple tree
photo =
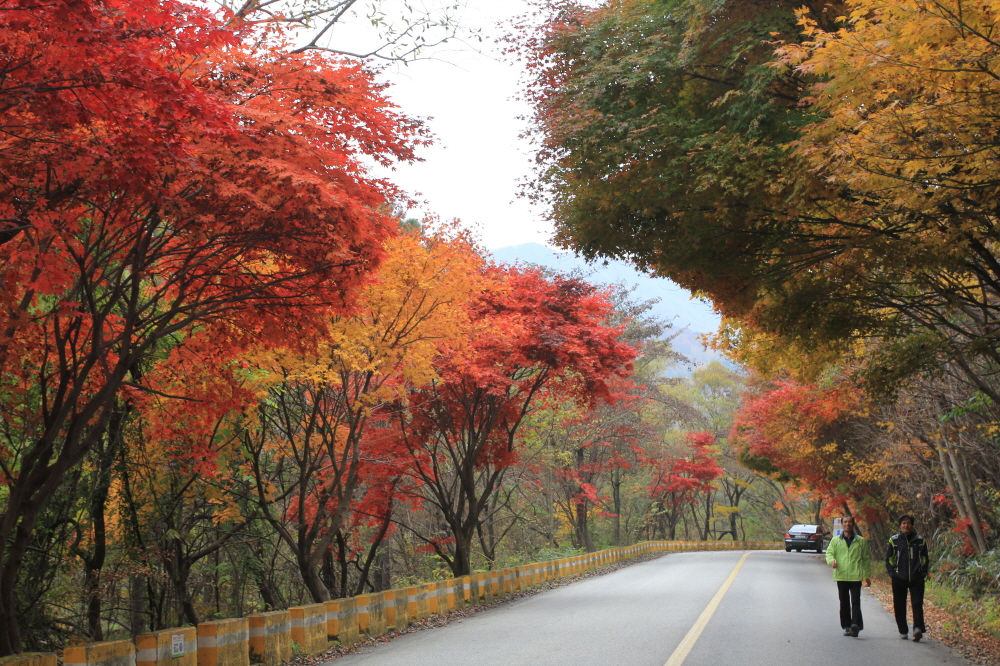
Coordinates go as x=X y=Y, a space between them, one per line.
x=679 y=481
x=535 y=337
x=160 y=177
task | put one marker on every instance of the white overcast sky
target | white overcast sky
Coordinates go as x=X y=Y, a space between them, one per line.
x=472 y=171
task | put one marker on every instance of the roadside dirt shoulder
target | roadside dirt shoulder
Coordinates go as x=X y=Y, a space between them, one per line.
x=954 y=631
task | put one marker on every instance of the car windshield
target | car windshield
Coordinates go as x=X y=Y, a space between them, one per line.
x=803 y=529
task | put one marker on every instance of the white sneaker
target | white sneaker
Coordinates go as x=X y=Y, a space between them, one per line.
x=917 y=635
x=904 y=637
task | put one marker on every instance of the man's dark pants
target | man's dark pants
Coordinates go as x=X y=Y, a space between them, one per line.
x=850 y=603
x=916 y=590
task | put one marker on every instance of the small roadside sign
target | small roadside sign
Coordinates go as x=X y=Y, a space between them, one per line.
x=177 y=645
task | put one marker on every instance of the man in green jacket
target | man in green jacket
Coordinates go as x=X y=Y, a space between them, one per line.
x=848 y=555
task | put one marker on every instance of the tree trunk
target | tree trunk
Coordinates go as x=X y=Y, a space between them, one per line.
x=311 y=577
x=964 y=501
x=583 y=528
x=373 y=551
x=10 y=566
x=616 y=521
x=462 y=562
x=179 y=570
x=383 y=570
x=94 y=563
x=708 y=516
x=137 y=602
x=327 y=572
x=342 y=559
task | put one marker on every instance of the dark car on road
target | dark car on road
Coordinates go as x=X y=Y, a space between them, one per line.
x=808 y=537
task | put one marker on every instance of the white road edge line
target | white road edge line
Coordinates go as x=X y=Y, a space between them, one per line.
x=682 y=651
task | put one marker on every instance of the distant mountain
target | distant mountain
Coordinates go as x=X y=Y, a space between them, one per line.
x=675 y=305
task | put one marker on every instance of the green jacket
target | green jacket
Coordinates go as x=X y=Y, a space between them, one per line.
x=854 y=562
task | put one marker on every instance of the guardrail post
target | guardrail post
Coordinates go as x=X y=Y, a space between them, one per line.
x=399 y=607
x=271 y=637
x=416 y=598
x=105 y=653
x=457 y=601
x=342 y=621
x=170 y=647
x=309 y=627
x=224 y=643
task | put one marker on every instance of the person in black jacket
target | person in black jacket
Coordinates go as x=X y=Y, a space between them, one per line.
x=907 y=563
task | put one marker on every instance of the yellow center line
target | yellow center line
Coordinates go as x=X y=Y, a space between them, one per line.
x=681 y=653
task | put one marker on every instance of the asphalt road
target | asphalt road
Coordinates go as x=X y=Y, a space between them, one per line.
x=780 y=609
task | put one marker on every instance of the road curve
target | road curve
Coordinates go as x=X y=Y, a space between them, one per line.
x=780 y=609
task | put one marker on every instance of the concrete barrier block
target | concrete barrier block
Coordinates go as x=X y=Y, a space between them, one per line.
x=376 y=614
x=523 y=577
x=31 y=659
x=457 y=599
x=446 y=595
x=430 y=589
x=507 y=581
x=224 y=643
x=475 y=594
x=170 y=647
x=417 y=602
x=397 y=614
x=342 y=621
x=485 y=588
x=478 y=589
x=443 y=597
x=402 y=605
x=389 y=596
x=494 y=583
x=371 y=614
x=309 y=627
x=271 y=637
x=106 y=653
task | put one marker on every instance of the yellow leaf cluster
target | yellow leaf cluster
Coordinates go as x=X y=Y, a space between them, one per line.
x=414 y=306
x=910 y=92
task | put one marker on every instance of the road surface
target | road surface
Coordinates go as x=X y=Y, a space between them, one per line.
x=690 y=609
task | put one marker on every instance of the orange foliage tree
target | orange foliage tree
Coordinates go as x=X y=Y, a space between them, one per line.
x=313 y=448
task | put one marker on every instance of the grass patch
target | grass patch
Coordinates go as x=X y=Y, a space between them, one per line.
x=982 y=613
